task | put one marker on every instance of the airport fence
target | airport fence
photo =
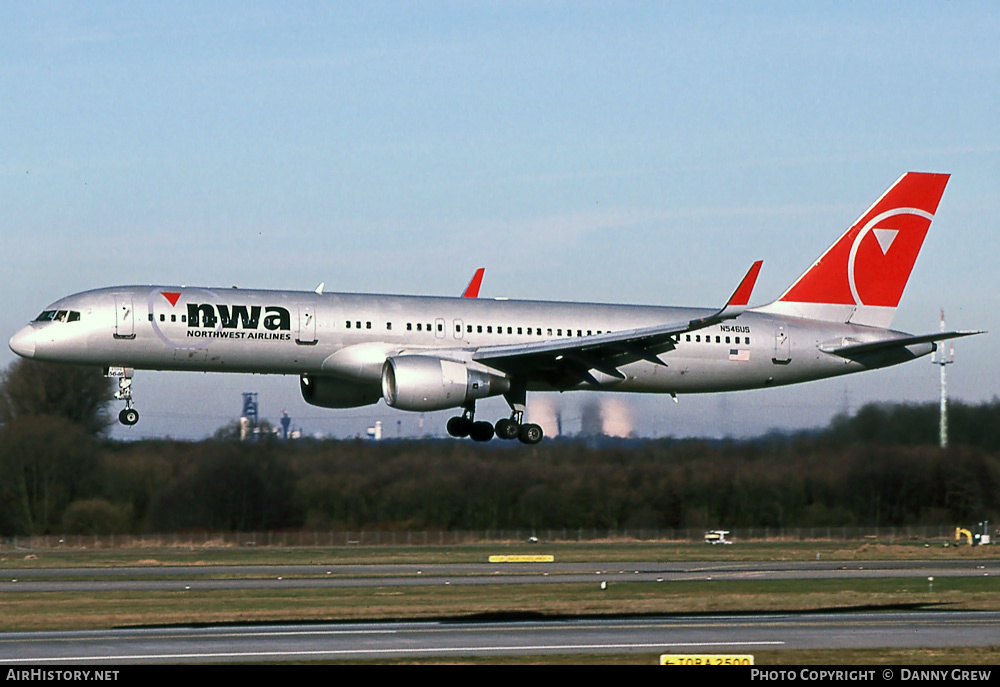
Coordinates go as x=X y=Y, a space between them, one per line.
x=463 y=537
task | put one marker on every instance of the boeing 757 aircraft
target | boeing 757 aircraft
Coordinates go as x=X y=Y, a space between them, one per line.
x=430 y=353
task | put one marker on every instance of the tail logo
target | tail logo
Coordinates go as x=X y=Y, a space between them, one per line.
x=885 y=238
x=883 y=254
x=861 y=277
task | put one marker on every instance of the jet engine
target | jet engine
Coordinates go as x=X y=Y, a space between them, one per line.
x=329 y=392
x=420 y=382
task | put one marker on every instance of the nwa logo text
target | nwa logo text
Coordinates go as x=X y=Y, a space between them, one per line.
x=238 y=321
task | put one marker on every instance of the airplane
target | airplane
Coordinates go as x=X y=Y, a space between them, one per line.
x=421 y=353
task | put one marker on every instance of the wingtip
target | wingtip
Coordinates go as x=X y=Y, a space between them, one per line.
x=472 y=290
x=741 y=296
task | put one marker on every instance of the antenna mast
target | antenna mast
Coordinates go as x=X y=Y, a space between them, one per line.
x=942 y=359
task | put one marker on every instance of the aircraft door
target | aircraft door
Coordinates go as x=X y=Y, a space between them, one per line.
x=439 y=328
x=307 y=325
x=458 y=329
x=782 y=346
x=124 y=320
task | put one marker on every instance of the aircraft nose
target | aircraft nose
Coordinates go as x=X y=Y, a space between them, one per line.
x=23 y=343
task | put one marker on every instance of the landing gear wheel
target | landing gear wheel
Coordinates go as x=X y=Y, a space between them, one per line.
x=530 y=434
x=129 y=415
x=459 y=426
x=481 y=431
x=507 y=429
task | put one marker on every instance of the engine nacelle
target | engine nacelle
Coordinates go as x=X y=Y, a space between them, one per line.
x=329 y=392
x=421 y=382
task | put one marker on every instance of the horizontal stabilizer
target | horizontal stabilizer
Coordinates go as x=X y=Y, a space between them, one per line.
x=852 y=349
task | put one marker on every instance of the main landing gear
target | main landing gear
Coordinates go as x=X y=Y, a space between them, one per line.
x=129 y=415
x=465 y=426
x=507 y=429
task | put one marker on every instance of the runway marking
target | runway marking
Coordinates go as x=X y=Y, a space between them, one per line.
x=429 y=650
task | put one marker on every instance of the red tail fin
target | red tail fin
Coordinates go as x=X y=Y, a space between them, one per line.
x=861 y=278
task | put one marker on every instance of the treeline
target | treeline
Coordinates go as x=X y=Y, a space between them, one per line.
x=880 y=466
x=906 y=424
x=79 y=484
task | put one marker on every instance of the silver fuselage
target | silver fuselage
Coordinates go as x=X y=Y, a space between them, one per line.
x=350 y=336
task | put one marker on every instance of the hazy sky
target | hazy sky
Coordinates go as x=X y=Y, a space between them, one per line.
x=618 y=152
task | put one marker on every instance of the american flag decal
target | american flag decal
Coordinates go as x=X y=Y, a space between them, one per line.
x=741 y=354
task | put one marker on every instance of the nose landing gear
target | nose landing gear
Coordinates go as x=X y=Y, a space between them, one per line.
x=129 y=415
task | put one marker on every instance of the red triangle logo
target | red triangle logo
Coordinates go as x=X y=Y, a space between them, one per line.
x=171 y=296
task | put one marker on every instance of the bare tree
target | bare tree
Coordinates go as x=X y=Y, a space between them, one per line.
x=79 y=394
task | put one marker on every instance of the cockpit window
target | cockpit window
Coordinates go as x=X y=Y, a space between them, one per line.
x=59 y=316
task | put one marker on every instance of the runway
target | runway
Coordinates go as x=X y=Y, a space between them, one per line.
x=728 y=633
x=162 y=578
x=353 y=641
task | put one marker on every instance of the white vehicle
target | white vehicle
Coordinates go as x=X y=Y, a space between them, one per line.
x=717 y=537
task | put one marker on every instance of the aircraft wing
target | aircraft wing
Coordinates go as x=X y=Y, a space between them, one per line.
x=565 y=362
